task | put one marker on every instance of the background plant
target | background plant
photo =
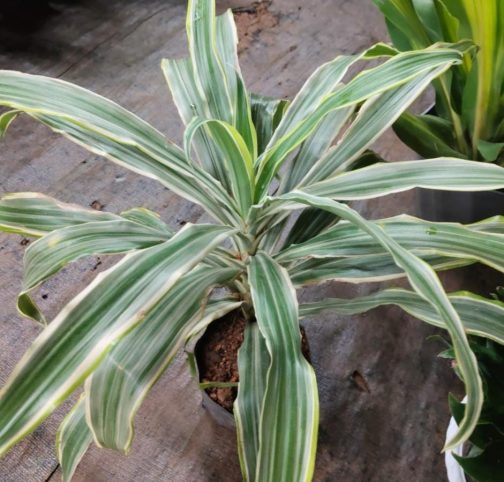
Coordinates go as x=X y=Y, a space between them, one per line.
x=268 y=174
x=469 y=117
x=483 y=459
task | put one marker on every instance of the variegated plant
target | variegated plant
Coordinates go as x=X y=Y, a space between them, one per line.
x=469 y=110
x=251 y=163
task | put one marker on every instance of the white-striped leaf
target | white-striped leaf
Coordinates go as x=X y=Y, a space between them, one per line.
x=480 y=316
x=420 y=237
x=374 y=117
x=399 y=70
x=253 y=364
x=76 y=341
x=387 y=178
x=107 y=129
x=73 y=439
x=289 y=416
x=55 y=250
x=426 y=284
x=232 y=156
x=362 y=269
x=34 y=214
x=147 y=218
x=119 y=385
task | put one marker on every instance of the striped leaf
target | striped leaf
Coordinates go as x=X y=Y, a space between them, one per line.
x=117 y=388
x=147 y=218
x=289 y=416
x=375 y=116
x=107 y=129
x=73 y=439
x=420 y=237
x=232 y=156
x=34 y=214
x=362 y=269
x=227 y=49
x=55 y=250
x=74 y=344
x=480 y=316
x=387 y=178
x=427 y=285
x=399 y=70
x=253 y=363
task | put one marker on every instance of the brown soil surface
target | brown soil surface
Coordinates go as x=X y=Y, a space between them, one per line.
x=217 y=356
x=250 y=21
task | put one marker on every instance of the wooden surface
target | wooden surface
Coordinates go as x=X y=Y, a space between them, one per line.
x=391 y=432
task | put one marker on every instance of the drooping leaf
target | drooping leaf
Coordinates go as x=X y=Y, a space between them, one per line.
x=362 y=269
x=289 y=416
x=253 y=363
x=55 y=250
x=480 y=316
x=425 y=282
x=107 y=129
x=76 y=341
x=119 y=385
x=73 y=439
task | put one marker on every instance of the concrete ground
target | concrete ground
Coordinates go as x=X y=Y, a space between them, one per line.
x=388 y=428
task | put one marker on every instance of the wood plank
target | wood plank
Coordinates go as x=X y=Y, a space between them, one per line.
x=392 y=432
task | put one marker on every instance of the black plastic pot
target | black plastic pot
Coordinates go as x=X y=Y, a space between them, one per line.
x=219 y=414
x=460 y=207
x=456 y=206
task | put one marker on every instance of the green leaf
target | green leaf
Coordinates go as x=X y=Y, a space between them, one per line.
x=490 y=150
x=480 y=316
x=267 y=112
x=486 y=467
x=310 y=223
x=418 y=236
x=289 y=416
x=232 y=156
x=387 y=178
x=117 y=388
x=429 y=136
x=105 y=128
x=73 y=439
x=427 y=285
x=253 y=363
x=77 y=340
x=6 y=119
x=34 y=214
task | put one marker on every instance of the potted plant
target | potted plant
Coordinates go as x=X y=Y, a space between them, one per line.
x=252 y=163
x=467 y=120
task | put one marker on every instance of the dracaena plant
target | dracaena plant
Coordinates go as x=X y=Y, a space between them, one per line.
x=251 y=163
x=469 y=120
